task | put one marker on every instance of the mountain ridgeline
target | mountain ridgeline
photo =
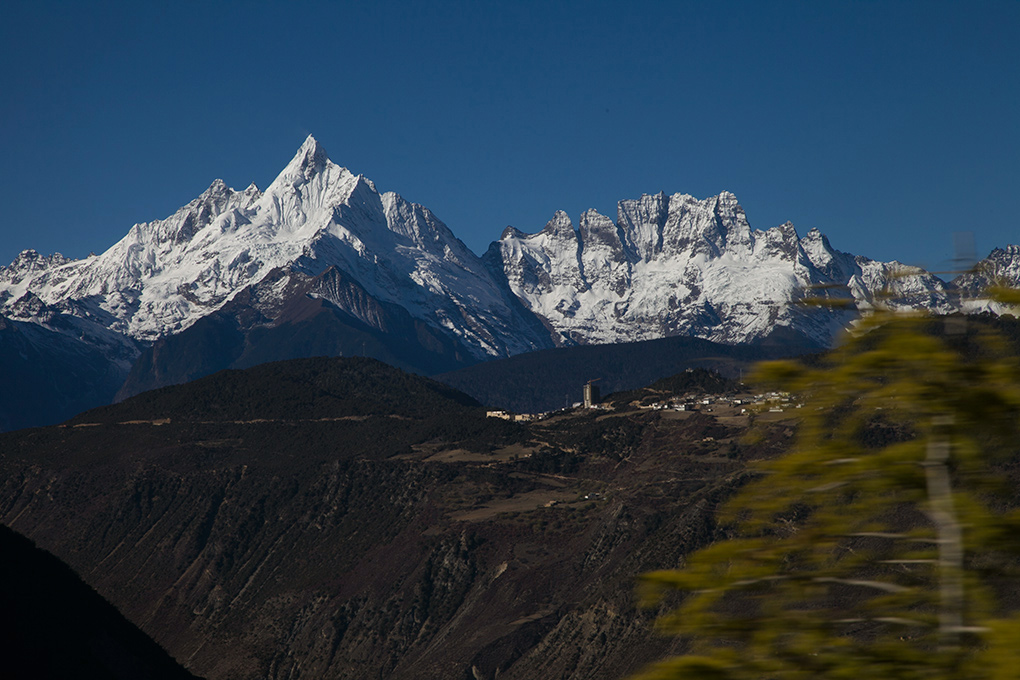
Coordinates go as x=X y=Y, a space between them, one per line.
x=323 y=264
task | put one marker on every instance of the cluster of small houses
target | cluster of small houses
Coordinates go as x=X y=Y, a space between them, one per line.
x=514 y=417
x=776 y=402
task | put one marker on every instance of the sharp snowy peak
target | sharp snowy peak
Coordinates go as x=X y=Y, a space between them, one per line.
x=165 y=275
x=676 y=265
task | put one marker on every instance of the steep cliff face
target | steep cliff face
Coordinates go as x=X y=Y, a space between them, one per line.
x=290 y=315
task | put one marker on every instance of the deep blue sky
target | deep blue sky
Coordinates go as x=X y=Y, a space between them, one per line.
x=890 y=126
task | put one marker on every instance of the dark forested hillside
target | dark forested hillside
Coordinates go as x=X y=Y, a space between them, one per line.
x=315 y=388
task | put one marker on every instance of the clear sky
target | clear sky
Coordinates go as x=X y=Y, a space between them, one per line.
x=890 y=126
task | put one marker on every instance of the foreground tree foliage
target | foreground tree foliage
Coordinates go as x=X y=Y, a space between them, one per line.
x=884 y=544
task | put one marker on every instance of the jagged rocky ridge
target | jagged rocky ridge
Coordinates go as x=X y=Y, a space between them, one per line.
x=676 y=265
x=389 y=280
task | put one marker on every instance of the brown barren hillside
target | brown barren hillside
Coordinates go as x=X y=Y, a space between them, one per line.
x=286 y=535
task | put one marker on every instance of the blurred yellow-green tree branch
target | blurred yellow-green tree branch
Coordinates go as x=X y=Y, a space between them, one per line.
x=880 y=544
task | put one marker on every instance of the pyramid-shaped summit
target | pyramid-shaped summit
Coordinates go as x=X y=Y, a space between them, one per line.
x=165 y=275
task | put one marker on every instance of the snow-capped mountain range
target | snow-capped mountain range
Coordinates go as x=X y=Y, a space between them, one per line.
x=667 y=265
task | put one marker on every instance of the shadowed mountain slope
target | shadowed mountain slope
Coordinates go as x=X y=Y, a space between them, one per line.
x=53 y=626
x=291 y=316
x=48 y=376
